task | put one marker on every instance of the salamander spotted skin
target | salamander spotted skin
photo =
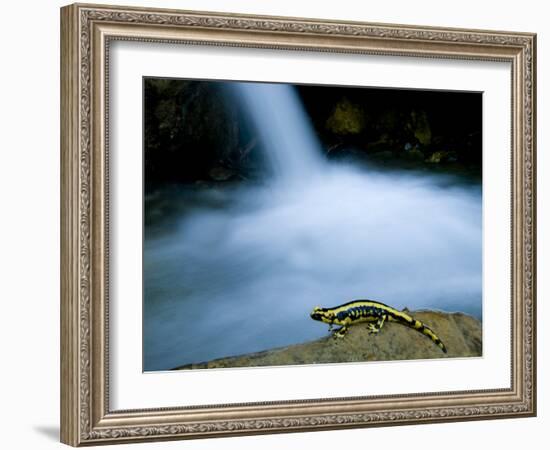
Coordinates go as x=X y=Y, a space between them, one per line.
x=375 y=314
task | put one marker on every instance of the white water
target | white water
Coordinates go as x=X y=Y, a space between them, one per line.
x=243 y=275
x=284 y=130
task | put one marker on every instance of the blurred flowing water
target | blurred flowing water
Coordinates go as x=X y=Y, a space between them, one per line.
x=289 y=142
x=238 y=269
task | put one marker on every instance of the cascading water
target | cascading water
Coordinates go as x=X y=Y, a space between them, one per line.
x=284 y=130
x=241 y=272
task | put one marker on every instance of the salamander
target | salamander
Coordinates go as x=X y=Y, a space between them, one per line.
x=375 y=314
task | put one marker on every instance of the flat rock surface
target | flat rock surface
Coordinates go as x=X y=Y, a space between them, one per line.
x=460 y=333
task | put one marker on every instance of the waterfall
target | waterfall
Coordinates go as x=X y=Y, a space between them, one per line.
x=283 y=128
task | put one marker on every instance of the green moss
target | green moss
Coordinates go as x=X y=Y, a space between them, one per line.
x=439 y=156
x=420 y=126
x=347 y=118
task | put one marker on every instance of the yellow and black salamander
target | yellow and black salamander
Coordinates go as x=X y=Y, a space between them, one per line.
x=370 y=312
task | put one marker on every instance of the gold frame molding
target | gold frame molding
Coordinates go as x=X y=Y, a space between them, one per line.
x=86 y=31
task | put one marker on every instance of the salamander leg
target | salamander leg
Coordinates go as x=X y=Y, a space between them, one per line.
x=375 y=328
x=340 y=332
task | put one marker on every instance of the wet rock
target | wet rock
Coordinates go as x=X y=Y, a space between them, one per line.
x=414 y=154
x=420 y=126
x=190 y=126
x=461 y=334
x=385 y=155
x=441 y=156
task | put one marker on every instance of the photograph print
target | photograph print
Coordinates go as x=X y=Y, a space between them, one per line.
x=309 y=224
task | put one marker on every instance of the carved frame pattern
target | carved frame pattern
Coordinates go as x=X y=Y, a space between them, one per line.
x=86 y=33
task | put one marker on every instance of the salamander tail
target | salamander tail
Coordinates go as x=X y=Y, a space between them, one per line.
x=419 y=326
x=405 y=319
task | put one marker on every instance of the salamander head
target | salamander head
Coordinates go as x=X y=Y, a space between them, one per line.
x=323 y=315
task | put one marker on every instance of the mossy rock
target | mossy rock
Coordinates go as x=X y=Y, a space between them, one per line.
x=346 y=119
x=420 y=126
x=441 y=156
x=414 y=155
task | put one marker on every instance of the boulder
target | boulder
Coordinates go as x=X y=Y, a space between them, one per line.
x=461 y=334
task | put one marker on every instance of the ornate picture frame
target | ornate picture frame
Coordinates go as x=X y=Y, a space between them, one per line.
x=87 y=31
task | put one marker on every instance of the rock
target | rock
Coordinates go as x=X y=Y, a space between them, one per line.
x=385 y=155
x=347 y=118
x=461 y=334
x=420 y=126
x=436 y=157
x=414 y=154
x=221 y=173
x=442 y=156
x=190 y=126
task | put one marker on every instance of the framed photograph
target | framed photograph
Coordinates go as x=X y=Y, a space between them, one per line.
x=267 y=221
